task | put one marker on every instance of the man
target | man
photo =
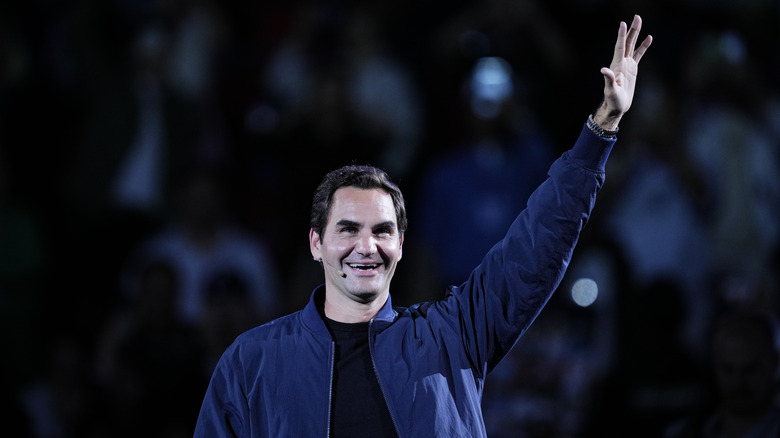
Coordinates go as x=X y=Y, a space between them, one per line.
x=350 y=364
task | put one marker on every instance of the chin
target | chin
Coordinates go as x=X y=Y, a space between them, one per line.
x=365 y=293
x=366 y=297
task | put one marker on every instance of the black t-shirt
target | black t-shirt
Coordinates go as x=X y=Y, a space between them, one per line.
x=359 y=407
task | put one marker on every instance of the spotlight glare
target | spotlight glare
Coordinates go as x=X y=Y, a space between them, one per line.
x=584 y=292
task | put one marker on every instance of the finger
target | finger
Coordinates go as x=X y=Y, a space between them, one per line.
x=640 y=51
x=609 y=76
x=620 y=44
x=633 y=35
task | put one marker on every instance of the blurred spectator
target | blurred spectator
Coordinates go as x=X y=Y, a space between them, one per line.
x=656 y=377
x=337 y=77
x=149 y=362
x=202 y=240
x=531 y=37
x=730 y=139
x=61 y=402
x=227 y=313
x=744 y=367
x=139 y=138
x=547 y=385
x=198 y=34
x=503 y=157
x=141 y=135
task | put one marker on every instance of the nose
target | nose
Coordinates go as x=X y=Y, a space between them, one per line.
x=366 y=245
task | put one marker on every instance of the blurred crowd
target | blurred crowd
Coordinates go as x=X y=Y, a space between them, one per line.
x=158 y=158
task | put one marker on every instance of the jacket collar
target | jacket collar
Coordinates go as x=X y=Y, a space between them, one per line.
x=313 y=318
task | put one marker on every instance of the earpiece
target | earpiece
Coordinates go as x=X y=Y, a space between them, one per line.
x=339 y=271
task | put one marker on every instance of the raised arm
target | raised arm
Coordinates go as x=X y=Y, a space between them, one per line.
x=620 y=76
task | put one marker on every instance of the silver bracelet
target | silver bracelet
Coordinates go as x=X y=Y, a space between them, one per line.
x=598 y=130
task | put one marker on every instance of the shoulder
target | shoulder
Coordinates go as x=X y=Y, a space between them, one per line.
x=253 y=347
x=271 y=331
x=429 y=313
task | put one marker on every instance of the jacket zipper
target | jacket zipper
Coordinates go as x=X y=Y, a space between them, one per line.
x=376 y=374
x=330 y=386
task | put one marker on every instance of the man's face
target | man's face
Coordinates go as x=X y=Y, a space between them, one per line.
x=361 y=245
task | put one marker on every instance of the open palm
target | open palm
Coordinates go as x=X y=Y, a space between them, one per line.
x=620 y=77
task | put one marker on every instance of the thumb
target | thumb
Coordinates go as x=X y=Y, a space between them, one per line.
x=609 y=76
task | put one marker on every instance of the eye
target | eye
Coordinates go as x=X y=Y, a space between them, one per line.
x=383 y=231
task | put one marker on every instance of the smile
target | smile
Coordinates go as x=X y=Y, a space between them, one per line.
x=363 y=266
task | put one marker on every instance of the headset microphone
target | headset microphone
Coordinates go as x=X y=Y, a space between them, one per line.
x=341 y=273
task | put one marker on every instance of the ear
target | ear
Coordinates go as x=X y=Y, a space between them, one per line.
x=400 y=247
x=314 y=244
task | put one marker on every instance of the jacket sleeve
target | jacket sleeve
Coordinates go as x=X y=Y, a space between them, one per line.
x=517 y=277
x=224 y=407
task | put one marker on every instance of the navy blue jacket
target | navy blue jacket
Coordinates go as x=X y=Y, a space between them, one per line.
x=431 y=358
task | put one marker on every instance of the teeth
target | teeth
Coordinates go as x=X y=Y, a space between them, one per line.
x=362 y=266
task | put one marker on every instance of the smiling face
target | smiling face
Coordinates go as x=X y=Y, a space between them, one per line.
x=359 y=248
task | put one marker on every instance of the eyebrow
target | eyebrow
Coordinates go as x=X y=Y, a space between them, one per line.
x=349 y=223
x=386 y=224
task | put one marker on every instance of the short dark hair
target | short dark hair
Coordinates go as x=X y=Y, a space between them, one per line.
x=361 y=177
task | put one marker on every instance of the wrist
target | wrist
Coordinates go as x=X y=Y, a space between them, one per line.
x=600 y=130
x=607 y=119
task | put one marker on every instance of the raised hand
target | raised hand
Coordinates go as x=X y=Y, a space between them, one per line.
x=620 y=77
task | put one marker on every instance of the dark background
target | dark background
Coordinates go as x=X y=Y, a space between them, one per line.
x=671 y=252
